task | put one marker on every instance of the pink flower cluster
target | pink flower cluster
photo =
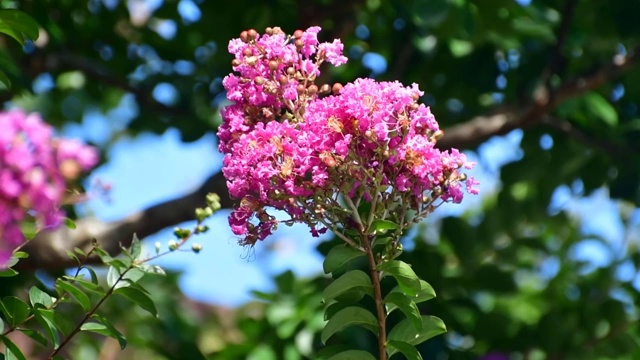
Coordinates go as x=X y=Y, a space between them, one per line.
x=34 y=168
x=297 y=151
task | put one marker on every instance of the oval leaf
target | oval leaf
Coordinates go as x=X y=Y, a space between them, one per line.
x=426 y=293
x=404 y=275
x=141 y=299
x=15 y=310
x=346 y=317
x=338 y=256
x=76 y=293
x=18 y=25
x=382 y=226
x=353 y=355
x=397 y=300
x=409 y=351
x=12 y=351
x=37 y=296
x=405 y=331
x=104 y=327
x=352 y=280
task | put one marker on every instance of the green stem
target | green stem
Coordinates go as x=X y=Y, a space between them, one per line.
x=377 y=292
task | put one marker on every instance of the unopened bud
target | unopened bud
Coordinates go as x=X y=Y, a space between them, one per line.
x=336 y=88
x=196 y=248
x=299 y=44
x=325 y=89
x=244 y=36
x=300 y=89
x=273 y=65
x=247 y=52
x=181 y=233
x=313 y=89
x=173 y=245
x=236 y=62
x=158 y=246
x=259 y=80
x=298 y=34
x=213 y=201
x=269 y=30
x=252 y=34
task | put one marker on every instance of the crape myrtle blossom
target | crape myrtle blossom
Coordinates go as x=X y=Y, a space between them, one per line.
x=34 y=169
x=290 y=145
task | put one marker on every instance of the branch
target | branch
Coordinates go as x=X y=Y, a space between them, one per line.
x=48 y=249
x=508 y=118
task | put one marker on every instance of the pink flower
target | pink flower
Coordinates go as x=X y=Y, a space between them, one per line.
x=34 y=167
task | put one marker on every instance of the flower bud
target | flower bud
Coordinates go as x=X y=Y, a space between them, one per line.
x=173 y=245
x=252 y=34
x=213 y=201
x=181 y=233
x=196 y=248
x=247 y=52
x=299 y=44
x=244 y=36
x=259 y=80
x=269 y=30
x=298 y=34
x=325 y=89
x=158 y=246
x=273 y=65
x=313 y=89
x=236 y=62
x=336 y=88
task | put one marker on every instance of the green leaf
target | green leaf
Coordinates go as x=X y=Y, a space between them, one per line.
x=18 y=25
x=346 y=317
x=118 y=278
x=404 y=331
x=140 y=298
x=8 y=272
x=601 y=108
x=352 y=280
x=35 y=335
x=136 y=248
x=382 y=226
x=404 y=275
x=46 y=319
x=397 y=300
x=12 y=352
x=152 y=269
x=37 y=296
x=1 y=326
x=425 y=293
x=104 y=327
x=76 y=293
x=352 y=355
x=409 y=351
x=89 y=286
x=338 y=256
x=15 y=310
x=70 y=224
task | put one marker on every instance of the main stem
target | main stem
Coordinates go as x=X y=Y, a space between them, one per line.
x=377 y=292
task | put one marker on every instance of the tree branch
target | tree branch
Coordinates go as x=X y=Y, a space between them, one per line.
x=48 y=249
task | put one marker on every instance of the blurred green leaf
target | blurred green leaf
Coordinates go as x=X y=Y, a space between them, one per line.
x=404 y=331
x=138 y=297
x=18 y=25
x=356 y=280
x=408 y=350
x=338 y=256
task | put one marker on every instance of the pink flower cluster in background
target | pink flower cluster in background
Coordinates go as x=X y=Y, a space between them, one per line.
x=34 y=169
x=295 y=147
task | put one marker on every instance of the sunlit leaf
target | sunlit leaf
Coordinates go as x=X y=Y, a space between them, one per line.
x=406 y=332
x=404 y=275
x=76 y=293
x=138 y=297
x=338 y=256
x=409 y=351
x=346 y=317
x=37 y=296
x=350 y=281
x=395 y=300
x=18 y=25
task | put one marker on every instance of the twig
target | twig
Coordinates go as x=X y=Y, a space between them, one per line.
x=377 y=293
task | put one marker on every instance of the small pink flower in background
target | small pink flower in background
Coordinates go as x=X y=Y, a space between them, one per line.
x=34 y=169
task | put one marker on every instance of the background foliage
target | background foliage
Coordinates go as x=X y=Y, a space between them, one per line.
x=562 y=74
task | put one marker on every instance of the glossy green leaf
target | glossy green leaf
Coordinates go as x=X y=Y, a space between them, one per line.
x=409 y=351
x=118 y=278
x=15 y=310
x=425 y=293
x=46 y=319
x=75 y=292
x=18 y=25
x=37 y=296
x=88 y=285
x=104 y=327
x=346 y=317
x=404 y=275
x=353 y=355
x=8 y=272
x=397 y=300
x=353 y=280
x=338 y=256
x=138 y=297
x=382 y=226
x=406 y=332
x=12 y=352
